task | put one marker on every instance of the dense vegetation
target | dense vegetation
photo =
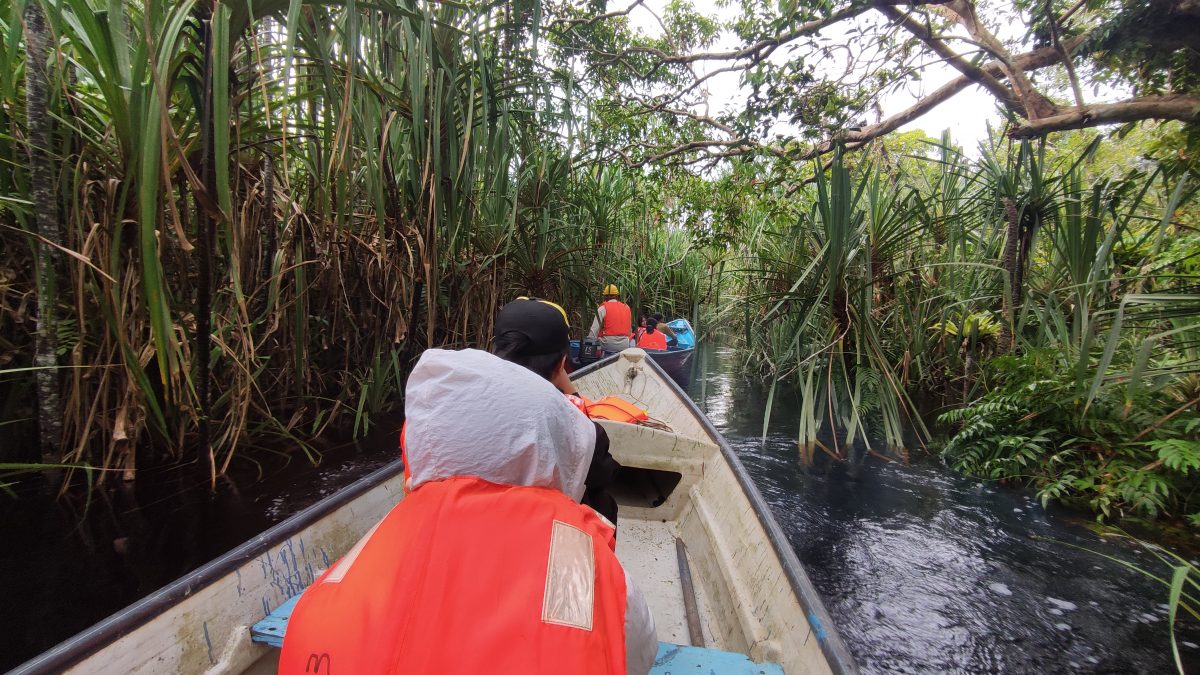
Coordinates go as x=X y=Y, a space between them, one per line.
x=229 y=227
x=247 y=230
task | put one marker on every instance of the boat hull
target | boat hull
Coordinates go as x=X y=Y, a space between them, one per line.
x=750 y=593
x=201 y=622
x=755 y=596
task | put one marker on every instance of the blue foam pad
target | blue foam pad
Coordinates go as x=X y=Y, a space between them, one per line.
x=684 y=660
x=270 y=630
x=670 y=660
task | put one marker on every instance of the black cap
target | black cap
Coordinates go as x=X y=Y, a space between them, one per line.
x=542 y=322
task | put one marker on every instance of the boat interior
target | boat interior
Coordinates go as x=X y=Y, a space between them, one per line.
x=683 y=513
x=725 y=588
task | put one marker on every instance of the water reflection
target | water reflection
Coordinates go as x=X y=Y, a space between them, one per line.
x=68 y=563
x=927 y=571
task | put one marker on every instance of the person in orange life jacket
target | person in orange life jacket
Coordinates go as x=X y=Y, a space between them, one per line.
x=613 y=321
x=641 y=325
x=534 y=333
x=652 y=338
x=489 y=564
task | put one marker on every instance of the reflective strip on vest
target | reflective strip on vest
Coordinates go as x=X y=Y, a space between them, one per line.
x=617 y=319
x=570 y=578
x=466 y=576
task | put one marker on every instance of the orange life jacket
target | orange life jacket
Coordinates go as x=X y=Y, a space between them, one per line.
x=467 y=576
x=608 y=408
x=655 y=340
x=617 y=318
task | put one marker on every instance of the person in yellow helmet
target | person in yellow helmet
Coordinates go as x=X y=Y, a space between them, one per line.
x=613 y=323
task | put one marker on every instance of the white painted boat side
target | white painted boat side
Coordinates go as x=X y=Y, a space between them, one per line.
x=628 y=376
x=208 y=630
x=746 y=584
x=749 y=604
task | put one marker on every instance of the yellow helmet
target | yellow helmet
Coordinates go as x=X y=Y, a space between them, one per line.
x=611 y=289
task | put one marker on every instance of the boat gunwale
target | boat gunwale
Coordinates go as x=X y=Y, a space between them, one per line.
x=840 y=661
x=83 y=644
x=87 y=642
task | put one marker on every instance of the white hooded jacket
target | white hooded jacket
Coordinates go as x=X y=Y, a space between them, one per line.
x=470 y=413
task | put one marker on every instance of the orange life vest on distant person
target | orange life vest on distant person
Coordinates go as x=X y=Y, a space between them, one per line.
x=467 y=576
x=655 y=340
x=617 y=318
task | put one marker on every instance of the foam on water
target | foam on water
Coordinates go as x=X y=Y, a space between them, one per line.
x=999 y=588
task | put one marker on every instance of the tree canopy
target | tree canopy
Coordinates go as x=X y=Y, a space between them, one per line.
x=815 y=73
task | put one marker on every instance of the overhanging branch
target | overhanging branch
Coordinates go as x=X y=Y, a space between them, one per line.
x=1038 y=58
x=1183 y=108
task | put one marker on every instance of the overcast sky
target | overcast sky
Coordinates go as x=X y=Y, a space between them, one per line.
x=966 y=115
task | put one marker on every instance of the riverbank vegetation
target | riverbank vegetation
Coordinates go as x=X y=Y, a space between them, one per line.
x=1067 y=363
x=228 y=228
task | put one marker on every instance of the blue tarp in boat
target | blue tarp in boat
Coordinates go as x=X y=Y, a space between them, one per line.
x=675 y=357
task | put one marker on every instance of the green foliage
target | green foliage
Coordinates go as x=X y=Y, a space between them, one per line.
x=1035 y=426
x=1177 y=454
x=976 y=323
x=273 y=207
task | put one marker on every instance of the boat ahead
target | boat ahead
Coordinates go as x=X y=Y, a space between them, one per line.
x=674 y=359
x=693 y=532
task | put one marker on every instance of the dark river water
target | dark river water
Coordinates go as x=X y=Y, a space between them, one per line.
x=65 y=564
x=921 y=569
x=924 y=570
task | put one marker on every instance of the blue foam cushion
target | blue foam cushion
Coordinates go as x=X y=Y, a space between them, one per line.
x=670 y=660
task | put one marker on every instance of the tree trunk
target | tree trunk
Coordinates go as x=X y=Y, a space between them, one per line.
x=205 y=248
x=968 y=359
x=42 y=180
x=1012 y=271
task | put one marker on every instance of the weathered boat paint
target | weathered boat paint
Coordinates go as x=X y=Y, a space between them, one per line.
x=200 y=622
x=756 y=596
x=753 y=595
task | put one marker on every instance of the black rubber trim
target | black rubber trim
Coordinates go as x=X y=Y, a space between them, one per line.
x=87 y=642
x=840 y=660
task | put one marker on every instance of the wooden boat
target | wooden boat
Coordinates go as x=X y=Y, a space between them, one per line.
x=673 y=359
x=694 y=533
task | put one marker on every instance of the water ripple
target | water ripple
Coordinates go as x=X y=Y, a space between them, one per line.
x=927 y=571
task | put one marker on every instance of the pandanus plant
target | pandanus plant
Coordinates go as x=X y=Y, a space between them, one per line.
x=823 y=321
x=268 y=207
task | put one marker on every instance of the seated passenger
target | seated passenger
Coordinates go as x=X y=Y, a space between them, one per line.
x=534 y=333
x=652 y=338
x=489 y=564
x=612 y=322
x=666 y=329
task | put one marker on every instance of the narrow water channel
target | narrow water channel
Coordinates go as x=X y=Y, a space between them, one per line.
x=924 y=570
